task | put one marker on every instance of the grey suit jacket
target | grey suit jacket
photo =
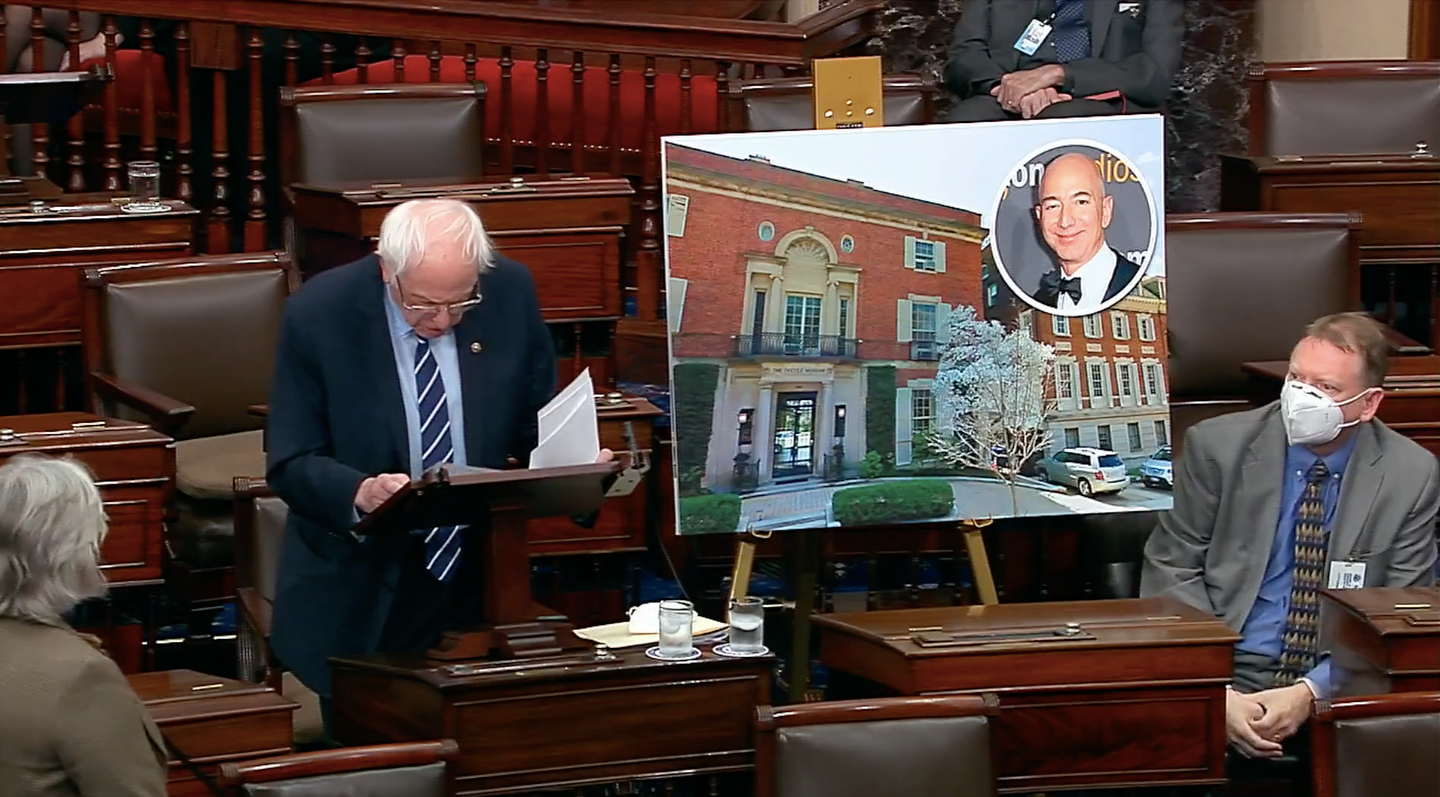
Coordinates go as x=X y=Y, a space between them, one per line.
x=69 y=722
x=1210 y=550
x=1135 y=52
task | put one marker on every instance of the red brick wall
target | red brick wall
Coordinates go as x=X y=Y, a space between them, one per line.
x=1044 y=332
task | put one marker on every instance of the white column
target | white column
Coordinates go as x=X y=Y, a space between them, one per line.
x=825 y=424
x=830 y=310
x=763 y=447
x=775 y=305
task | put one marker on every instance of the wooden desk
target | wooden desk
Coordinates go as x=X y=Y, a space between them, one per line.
x=134 y=467
x=1382 y=639
x=568 y=231
x=560 y=727
x=1136 y=698
x=41 y=258
x=1412 y=395
x=1399 y=198
x=213 y=720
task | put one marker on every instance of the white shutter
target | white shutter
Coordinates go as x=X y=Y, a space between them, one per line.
x=942 y=324
x=910 y=252
x=1160 y=384
x=1110 y=389
x=675 y=302
x=903 y=320
x=939 y=256
x=902 y=426
x=677 y=209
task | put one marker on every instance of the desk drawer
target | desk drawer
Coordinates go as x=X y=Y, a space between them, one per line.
x=577 y=274
x=1398 y=211
x=134 y=546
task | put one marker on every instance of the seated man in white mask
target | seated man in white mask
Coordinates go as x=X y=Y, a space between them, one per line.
x=1272 y=505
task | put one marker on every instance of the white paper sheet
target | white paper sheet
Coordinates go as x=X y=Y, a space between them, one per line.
x=569 y=428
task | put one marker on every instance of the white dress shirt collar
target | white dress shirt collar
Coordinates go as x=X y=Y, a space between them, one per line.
x=1094 y=278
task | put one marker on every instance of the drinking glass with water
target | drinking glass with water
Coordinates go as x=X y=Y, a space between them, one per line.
x=747 y=626
x=144 y=187
x=676 y=629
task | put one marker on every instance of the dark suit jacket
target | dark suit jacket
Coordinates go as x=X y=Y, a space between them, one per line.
x=336 y=417
x=1125 y=270
x=1136 y=55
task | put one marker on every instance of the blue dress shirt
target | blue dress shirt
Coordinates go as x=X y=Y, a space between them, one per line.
x=403 y=339
x=1264 y=629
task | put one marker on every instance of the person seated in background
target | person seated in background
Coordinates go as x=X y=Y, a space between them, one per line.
x=1011 y=59
x=69 y=722
x=55 y=55
x=1274 y=504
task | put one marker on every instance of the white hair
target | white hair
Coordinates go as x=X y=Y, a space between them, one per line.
x=410 y=227
x=51 y=525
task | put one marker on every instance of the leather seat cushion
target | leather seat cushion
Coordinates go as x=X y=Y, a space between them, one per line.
x=668 y=111
x=206 y=467
x=202 y=533
x=130 y=81
x=422 y=781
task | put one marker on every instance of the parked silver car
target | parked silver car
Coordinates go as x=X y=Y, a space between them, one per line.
x=1156 y=471
x=1088 y=470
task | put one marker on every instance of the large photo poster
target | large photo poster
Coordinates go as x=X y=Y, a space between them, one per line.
x=917 y=324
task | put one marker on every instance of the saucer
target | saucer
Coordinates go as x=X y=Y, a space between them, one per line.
x=654 y=653
x=726 y=650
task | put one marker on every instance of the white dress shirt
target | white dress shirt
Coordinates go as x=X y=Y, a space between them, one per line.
x=1094 y=278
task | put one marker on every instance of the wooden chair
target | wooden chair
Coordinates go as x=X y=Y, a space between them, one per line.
x=259 y=531
x=788 y=103
x=915 y=746
x=188 y=345
x=1380 y=745
x=1344 y=107
x=414 y=769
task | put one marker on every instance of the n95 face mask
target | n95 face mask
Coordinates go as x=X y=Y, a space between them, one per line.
x=1311 y=417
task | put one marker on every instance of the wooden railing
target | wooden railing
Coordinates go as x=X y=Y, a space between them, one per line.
x=200 y=93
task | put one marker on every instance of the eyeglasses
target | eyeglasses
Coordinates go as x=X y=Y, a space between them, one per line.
x=428 y=310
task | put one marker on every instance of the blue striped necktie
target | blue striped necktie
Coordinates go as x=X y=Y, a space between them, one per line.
x=1302 y=623
x=1072 y=33
x=442 y=543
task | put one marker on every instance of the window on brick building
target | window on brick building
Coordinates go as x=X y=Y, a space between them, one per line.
x=1072 y=437
x=1065 y=381
x=1161 y=439
x=766 y=231
x=1147 y=327
x=1120 y=326
x=924 y=255
x=1060 y=325
x=991 y=292
x=1092 y=326
x=922 y=412
x=1103 y=433
x=1134 y=431
x=676 y=211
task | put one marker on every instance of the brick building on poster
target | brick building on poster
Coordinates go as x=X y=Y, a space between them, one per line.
x=810 y=294
x=1111 y=368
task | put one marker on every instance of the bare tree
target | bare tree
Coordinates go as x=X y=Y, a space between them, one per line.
x=994 y=394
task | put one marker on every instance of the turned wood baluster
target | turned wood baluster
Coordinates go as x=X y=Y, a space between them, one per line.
x=507 y=126
x=327 y=60
x=362 y=61
x=435 y=58
x=542 y=113
x=397 y=53
x=39 y=133
x=147 y=91
x=218 y=232
x=470 y=62
x=292 y=59
x=722 y=93
x=577 y=114
x=686 y=115
x=614 y=117
x=184 y=146
x=112 y=112
x=255 y=220
x=648 y=278
x=76 y=159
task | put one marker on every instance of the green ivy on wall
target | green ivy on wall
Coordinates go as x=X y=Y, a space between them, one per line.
x=880 y=410
x=692 y=408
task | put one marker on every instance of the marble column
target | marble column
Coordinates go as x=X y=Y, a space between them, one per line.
x=1208 y=105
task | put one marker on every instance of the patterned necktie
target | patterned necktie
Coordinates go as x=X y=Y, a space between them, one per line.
x=1297 y=655
x=1072 y=34
x=442 y=543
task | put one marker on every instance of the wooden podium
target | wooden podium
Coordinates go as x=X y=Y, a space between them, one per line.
x=505 y=500
x=1382 y=639
x=1093 y=694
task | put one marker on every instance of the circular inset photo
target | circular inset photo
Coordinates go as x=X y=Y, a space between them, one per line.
x=1073 y=229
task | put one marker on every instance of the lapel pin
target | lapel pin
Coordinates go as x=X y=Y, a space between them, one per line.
x=476 y=348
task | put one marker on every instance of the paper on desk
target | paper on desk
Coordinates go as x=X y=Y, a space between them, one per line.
x=617 y=635
x=569 y=429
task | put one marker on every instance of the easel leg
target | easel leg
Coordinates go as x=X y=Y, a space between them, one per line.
x=807 y=563
x=980 y=563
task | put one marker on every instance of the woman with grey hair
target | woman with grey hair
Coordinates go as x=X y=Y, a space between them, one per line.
x=69 y=723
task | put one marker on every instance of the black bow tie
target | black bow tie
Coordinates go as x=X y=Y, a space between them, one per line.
x=1070 y=285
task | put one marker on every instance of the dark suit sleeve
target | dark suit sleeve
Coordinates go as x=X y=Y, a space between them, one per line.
x=970 y=71
x=1412 y=560
x=1144 y=77
x=540 y=365
x=1175 y=553
x=301 y=467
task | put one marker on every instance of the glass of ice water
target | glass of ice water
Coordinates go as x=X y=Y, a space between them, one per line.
x=144 y=186
x=676 y=629
x=747 y=625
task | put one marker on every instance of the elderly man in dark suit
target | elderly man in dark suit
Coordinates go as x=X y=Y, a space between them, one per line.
x=386 y=368
x=1014 y=59
x=1274 y=504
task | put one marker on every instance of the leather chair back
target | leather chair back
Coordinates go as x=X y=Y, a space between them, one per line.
x=788 y=103
x=373 y=133
x=414 y=769
x=921 y=746
x=1344 y=108
x=1248 y=284
x=202 y=331
x=1114 y=551
x=1382 y=745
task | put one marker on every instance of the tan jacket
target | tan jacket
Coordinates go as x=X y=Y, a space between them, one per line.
x=69 y=722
